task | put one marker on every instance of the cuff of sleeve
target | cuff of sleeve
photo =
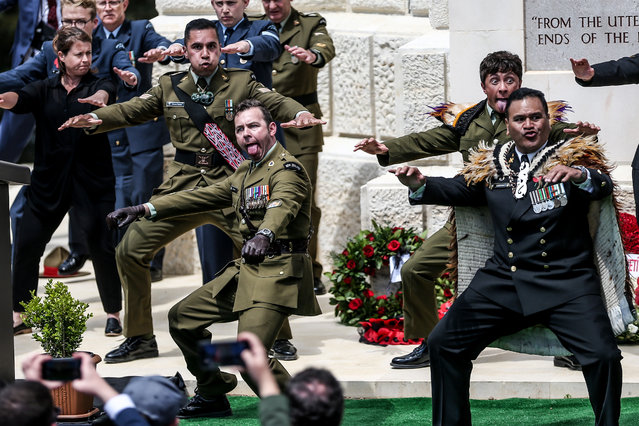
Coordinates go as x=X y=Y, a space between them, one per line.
x=416 y=195
x=587 y=184
x=152 y=212
x=117 y=404
x=250 y=53
x=319 y=60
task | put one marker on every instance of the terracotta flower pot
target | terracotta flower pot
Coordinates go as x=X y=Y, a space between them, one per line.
x=73 y=404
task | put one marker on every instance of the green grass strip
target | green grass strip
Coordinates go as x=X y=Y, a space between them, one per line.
x=396 y=411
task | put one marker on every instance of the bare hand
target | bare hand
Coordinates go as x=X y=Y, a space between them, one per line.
x=90 y=381
x=584 y=128
x=153 y=55
x=305 y=119
x=241 y=46
x=302 y=54
x=127 y=76
x=371 y=146
x=410 y=177
x=81 y=121
x=257 y=364
x=32 y=369
x=176 y=49
x=562 y=173
x=99 y=99
x=582 y=69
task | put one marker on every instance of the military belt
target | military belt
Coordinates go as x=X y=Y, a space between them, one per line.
x=198 y=159
x=308 y=99
x=279 y=247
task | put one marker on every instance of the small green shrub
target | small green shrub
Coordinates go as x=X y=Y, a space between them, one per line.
x=60 y=319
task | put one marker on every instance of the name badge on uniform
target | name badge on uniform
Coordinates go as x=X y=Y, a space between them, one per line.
x=256 y=197
x=175 y=104
x=549 y=197
x=229 y=110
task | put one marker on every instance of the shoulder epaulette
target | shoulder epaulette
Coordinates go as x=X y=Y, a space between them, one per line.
x=457 y=116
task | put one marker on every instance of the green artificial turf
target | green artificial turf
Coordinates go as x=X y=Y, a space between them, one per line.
x=409 y=411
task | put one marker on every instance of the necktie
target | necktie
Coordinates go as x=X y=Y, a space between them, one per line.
x=111 y=36
x=52 y=17
x=201 y=83
x=227 y=35
x=522 y=177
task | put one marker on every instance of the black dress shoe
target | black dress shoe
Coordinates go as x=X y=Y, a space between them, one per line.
x=200 y=407
x=569 y=362
x=284 y=350
x=133 y=348
x=319 y=287
x=21 y=329
x=113 y=327
x=156 y=275
x=72 y=264
x=418 y=358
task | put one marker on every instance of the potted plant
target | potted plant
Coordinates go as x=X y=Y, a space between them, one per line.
x=59 y=322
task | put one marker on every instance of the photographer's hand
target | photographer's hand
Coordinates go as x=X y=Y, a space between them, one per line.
x=32 y=369
x=257 y=364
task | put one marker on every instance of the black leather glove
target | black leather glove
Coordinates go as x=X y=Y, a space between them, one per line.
x=122 y=217
x=254 y=249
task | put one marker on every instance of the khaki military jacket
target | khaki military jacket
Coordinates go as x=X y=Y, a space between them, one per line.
x=445 y=139
x=277 y=196
x=294 y=78
x=227 y=84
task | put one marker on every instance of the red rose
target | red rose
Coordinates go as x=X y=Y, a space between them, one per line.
x=345 y=252
x=637 y=293
x=351 y=264
x=348 y=280
x=417 y=238
x=368 y=293
x=368 y=250
x=448 y=293
x=382 y=297
x=444 y=308
x=370 y=237
x=393 y=245
x=398 y=228
x=445 y=275
x=369 y=271
x=381 y=310
x=355 y=304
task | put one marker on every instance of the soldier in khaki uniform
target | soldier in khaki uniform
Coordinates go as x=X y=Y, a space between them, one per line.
x=197 y=164
x=271 y=201
x=307 y=47
x=463 y=129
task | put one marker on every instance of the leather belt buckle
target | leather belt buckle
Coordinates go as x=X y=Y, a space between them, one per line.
x=203 y=160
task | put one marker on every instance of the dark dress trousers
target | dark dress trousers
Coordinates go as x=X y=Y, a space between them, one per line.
x=541 y=272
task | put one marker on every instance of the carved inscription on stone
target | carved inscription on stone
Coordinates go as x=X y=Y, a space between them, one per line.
x=557 y=30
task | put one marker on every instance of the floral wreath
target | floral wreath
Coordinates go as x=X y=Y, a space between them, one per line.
x=630 y=238
x=355 y=303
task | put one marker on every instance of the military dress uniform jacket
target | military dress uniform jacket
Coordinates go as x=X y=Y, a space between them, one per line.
x=136 y=38
x=446 y=139
x=297 y=79
x=540 y=260
x=276 y=195
x=234 y=85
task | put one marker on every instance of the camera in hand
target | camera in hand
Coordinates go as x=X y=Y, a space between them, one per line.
x=221 y=353
x=61 y=369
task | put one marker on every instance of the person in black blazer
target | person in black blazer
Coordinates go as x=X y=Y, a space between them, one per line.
x=612 y=73
x=542 y=269
x=70 y=169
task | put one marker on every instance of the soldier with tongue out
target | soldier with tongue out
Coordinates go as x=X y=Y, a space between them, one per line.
x=464 y=126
